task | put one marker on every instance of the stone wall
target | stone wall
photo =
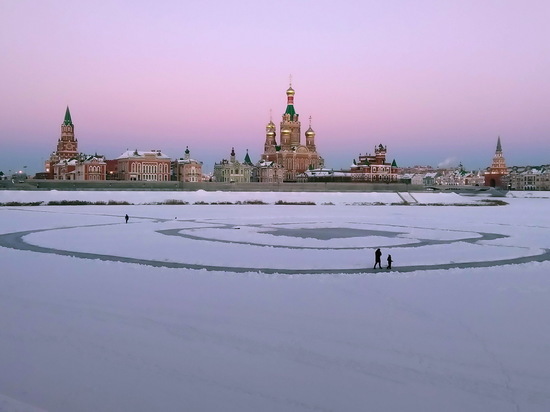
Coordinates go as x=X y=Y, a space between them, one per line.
x=31 y=184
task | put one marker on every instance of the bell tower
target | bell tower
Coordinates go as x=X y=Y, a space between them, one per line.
x=290 y=124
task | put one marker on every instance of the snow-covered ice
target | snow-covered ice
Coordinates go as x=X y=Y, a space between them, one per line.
x=273 y=307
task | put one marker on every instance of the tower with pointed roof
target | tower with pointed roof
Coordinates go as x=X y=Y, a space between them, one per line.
x=495 y=174
x=67 y=145
x=247 y=159
x=291 y=153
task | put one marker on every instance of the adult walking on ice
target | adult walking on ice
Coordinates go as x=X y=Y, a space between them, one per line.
x=389 y=262
x=126 y=218
x=377 y=259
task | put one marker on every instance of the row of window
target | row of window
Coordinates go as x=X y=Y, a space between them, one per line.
x=235 y=172
x=373 y=178
x=141 y=167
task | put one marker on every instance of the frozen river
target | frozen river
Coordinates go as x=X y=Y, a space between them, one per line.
x=275 y=307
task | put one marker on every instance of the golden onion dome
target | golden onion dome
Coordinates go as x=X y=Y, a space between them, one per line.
x=285 y=131
x=271 y=133
x=290 y=91
x=270 y=125
x=310 y=132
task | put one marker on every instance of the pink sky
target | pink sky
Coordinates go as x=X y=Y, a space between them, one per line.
x=434 y=81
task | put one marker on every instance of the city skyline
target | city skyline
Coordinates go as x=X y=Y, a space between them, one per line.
x=435 y=83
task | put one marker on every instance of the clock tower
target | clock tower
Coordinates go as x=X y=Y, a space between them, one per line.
x=67 y=145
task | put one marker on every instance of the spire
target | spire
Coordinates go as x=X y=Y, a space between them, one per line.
x=247 y=159
x=499 y=147
x=68 y=121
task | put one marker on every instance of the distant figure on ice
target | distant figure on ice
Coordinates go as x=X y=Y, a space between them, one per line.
x=377 y=258
x=389 y=262
x=126 y=218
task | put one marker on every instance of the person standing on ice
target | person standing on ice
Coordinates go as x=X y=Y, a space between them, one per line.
x=389 y=262
x=126 y=218
x=377 y=259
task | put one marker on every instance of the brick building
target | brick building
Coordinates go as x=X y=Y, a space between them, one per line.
x=374 y=168
x=187 y=169
x=67 y=147
x=147 y=166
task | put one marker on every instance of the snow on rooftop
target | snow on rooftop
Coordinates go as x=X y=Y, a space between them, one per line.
x=141 y=153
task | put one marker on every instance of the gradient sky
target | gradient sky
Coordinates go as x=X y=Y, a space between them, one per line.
x=435 y=81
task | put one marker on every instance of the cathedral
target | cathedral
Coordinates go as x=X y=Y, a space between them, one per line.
x=290 y=154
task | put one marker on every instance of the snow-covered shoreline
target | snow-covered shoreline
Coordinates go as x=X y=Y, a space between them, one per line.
x=149 y=197
x=192 y=197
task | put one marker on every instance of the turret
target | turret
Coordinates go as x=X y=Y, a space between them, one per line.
x=270 y=136
x=310 y=137
x=380 y=154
